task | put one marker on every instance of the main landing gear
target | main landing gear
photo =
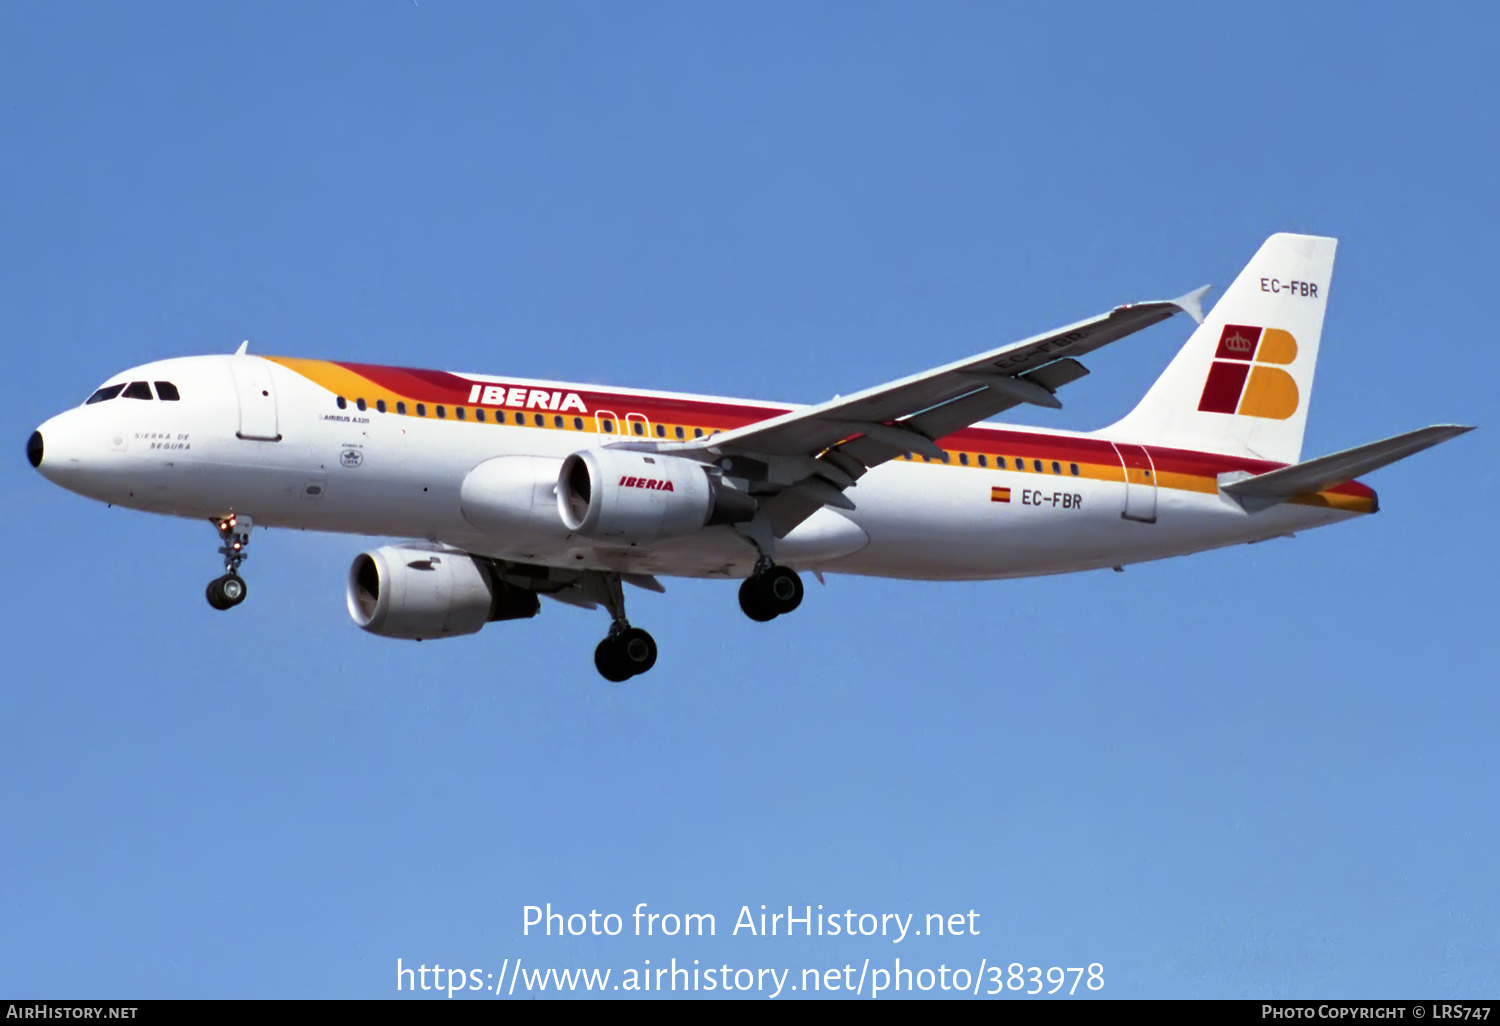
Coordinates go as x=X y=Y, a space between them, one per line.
x=770 y=591
x=627 y=651
x=229 y=591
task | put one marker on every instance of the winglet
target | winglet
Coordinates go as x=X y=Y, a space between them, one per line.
x=1192 y=303
x=243 y=346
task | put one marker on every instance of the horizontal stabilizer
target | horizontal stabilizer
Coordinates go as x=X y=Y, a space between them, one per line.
x=1336 y=469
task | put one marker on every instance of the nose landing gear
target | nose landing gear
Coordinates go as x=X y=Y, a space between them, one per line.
x=228 y=591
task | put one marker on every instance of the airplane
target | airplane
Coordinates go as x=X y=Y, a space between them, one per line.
x=514 y=489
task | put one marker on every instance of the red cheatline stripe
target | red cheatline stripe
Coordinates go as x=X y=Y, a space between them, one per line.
x=441 y=386
x=444 y=387
x=426 y=386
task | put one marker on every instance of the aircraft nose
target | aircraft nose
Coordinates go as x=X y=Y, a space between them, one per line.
x=34 y=448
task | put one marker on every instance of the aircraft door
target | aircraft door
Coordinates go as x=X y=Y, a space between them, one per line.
x=257 y=398
x=1140 y=483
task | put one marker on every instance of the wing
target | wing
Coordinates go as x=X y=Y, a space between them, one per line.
x=803 y=460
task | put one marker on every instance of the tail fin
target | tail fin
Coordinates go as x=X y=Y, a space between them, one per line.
x=1242 y=382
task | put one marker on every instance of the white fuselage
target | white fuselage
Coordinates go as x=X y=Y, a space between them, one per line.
x=321 y=467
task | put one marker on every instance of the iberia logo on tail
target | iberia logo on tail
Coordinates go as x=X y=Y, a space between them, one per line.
x=1243 y=378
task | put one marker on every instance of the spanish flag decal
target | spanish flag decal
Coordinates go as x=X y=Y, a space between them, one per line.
x=999 y=494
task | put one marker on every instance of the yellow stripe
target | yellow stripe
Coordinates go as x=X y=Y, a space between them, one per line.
x=338 y=380
x=1188 y=482
x=1335 y=500
x=342 y=381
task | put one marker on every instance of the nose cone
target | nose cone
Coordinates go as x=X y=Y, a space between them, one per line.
x=70 y=456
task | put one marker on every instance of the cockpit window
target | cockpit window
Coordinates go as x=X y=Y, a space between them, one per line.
x=137 y=390
x=167 y=391
x=107 y=392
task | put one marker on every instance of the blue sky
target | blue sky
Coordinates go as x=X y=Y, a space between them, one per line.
x=1265 y=771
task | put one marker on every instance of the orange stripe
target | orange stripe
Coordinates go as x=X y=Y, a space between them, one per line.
x=1351 y=497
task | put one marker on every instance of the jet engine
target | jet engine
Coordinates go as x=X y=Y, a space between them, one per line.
x=511 y=496
x=638 y=496
x=414 y=593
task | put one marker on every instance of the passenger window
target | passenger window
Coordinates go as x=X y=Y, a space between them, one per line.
x=577 y=423
x=1073 y=467
x=442 y=412
x=983 y=461
x=540 y=420
x=401 y=408
x=499 y=416
x=697 y=432
x=557 y=422
x=963 y=458
x=458 y=411
x=640 y=428
x=167 y=392
x=380 y=405
x=661 y=431
x=421 y=409
x=609 y=427
x=360 y=403
x=137 y=390
x=1055 y=468
x=105 y=393
x=1036 y=465
x=681 y=433
x=479 y=415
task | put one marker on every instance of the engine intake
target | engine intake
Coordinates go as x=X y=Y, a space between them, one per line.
x=637 y=496
x=417 y=594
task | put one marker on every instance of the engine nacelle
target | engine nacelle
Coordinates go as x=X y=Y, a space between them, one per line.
x=413 y=593
x=639 y=496
x=511 y=496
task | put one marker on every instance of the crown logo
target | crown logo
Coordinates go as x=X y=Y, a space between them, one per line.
x=1238 y=343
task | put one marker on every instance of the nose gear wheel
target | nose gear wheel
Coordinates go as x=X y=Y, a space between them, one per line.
x=226 y=592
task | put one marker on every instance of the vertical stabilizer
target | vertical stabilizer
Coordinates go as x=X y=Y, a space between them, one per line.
x=1242 y=382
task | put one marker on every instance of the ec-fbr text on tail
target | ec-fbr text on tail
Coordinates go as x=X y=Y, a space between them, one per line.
x=1242 y=383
